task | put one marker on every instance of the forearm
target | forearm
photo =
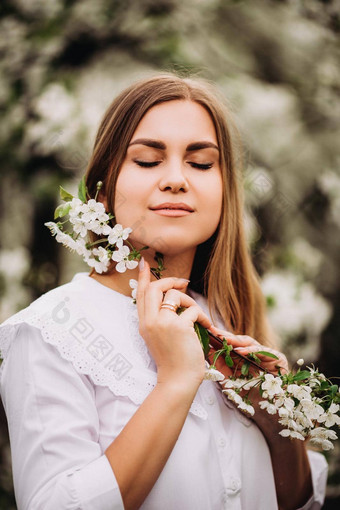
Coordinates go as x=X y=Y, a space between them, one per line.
x=139 y=453
x=290 y=464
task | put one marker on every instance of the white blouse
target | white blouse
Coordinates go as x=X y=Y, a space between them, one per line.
x=75 y=371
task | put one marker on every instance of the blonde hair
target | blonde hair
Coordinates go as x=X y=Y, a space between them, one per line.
x=222 y=268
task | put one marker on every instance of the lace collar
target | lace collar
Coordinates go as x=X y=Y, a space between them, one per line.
x=90 y=325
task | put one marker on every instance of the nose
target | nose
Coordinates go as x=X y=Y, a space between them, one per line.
x=174 y=179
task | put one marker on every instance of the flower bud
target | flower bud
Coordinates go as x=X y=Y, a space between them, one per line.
x=300 y=362
x=99 y=184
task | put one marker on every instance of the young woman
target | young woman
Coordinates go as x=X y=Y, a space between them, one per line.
x=105 y=399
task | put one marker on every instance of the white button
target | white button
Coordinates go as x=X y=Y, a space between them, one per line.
x=235 y=484
x=221 y=442
x=210 y=400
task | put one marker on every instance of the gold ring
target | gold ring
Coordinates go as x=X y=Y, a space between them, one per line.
x=171 y=305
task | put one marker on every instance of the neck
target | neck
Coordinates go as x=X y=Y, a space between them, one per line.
x=178 y=266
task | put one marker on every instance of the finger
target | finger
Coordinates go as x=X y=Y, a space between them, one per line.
x=154 y=295
x=256 y=348
x=179 y=298
x=270 y=362
x=234 y=340
x=195 y=314
x=247 y=339
x=143 y=283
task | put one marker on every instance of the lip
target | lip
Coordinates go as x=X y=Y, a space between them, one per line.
x=172 y=206
x=172 y=209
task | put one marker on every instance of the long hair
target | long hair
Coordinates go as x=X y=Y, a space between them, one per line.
x=222 y=268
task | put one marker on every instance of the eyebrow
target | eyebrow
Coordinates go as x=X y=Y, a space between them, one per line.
x=156 y=144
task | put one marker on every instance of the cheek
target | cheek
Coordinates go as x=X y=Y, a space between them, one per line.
x=213 y=196
x=128 y=192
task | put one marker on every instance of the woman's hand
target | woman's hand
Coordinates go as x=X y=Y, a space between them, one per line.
x=244 y=345
x=171 y=338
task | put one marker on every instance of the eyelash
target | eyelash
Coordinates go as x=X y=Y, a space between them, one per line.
x=150 y=164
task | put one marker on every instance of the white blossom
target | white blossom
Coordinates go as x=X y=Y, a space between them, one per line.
x=320 y=436
x=232 y=395
x=272 y=385
x=212 y=374
x=79 y=226
x=92 y=210
x=53 y=227
x=134 y=286
x=270 y=408
x=330 y=418
x=299 y=392
x=100 y=225
x=76 y=208
x=99 y=259
x=311 y=409
x=118 y=234
x=291 y=433
x=229 y=383
x=290 y=423
x=287 y=402
x=247 y=408
x=81 y=248
x=61 y=236
x=302 y=420
x=284 y=413
x=121 y=256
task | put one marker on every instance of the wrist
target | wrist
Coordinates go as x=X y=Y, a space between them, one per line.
x=179 y=384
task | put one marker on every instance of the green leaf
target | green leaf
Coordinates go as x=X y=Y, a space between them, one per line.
x=82 y=190
x=253 y=356
x=245 y=368
x=304 y=374
x=333 y=389
x=65 y=195
x=217 y=355
x=228 y=361
x=61 y=210
x=203 y=337
x=269 y=354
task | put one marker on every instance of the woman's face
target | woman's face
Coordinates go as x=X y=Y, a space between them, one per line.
x=169 y=189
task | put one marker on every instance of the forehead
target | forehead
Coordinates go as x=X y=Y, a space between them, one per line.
x=178 y=120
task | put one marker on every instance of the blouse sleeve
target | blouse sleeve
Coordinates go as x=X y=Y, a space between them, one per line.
x=53 y=426
x=319 y=471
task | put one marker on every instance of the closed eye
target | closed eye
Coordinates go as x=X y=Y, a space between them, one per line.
x=150 y=164
x=201 y=166
x=146 y=164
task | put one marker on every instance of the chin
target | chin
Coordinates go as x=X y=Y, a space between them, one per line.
x=166 y=244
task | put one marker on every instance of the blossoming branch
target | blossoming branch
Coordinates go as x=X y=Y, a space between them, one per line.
x=87 y=215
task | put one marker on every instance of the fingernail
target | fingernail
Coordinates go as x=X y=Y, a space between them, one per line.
x=239 y=348
x=184 y=280
x=141 y=264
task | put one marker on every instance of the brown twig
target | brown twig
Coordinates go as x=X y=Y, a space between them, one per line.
x=244 y=358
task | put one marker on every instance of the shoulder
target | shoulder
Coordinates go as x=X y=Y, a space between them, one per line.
x=42 y=302
x=53 y=311
x=81 y=292
x=75 y=317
